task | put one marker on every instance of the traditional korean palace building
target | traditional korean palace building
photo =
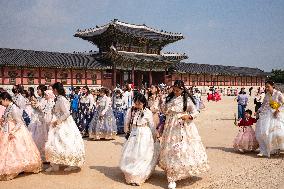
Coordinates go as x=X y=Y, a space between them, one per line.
x=127 y=53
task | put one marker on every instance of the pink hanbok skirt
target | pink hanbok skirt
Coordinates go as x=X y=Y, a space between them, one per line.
x=246 y=140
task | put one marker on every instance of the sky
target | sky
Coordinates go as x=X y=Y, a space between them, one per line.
x=219 y=32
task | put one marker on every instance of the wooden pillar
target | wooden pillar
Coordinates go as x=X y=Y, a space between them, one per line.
x=86 y=77
x=189 y=80
x=72 y=76
x=204 y=82
x=114 y=76
x=39 y=75
x=132 y=75
x=55 y=75
x=102 y=77
x=150 y=77
x=22 y=76
x=212 y=80
x=121 y=78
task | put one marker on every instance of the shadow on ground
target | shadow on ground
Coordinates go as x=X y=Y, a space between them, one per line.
x=158 y=178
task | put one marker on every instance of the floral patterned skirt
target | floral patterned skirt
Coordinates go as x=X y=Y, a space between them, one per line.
x=182 y=153
x=19 y=154
x=103 y=128
x=65 y=144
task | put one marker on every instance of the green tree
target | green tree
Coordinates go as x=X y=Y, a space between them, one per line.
x=277 y=76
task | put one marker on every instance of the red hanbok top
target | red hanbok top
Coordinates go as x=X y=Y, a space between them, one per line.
x=247 y=122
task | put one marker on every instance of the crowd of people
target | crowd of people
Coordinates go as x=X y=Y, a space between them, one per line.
x=48 y=126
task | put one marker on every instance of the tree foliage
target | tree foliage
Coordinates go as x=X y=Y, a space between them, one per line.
x=277 y=76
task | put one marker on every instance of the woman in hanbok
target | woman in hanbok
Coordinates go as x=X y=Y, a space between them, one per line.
x=270 y=125
x=18 y=151
x=21 y=102
x=28 y=95
x=41 y=119
x=18 y=98
x=118 y=110
x=139 y=156
x=103 y=124
x=86 y=110
x=154 y=101
x=182 y=153
x=64 y=145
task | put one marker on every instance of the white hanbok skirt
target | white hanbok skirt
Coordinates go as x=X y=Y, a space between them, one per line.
x=39 y=132
x=139 y=155
x=269 y=132
x=65 y=145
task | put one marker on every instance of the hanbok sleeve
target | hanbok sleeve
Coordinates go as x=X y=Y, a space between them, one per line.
x=150 y=119
x=107 y=105
x=92 y=102
x=127 y=120
x=124 y=101
x=191 y=109
x=64 y=108
x=40 y=105
x=163 y=106
x=21 y=102
x=281 y=101
x=17 y=117
x=264 y=103
x=241 y=123
x=155 y=107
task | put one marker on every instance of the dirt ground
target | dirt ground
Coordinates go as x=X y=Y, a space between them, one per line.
x=228 y=169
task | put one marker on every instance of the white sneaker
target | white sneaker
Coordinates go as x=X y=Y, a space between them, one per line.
x=260 y=155
x=172 y=185
x=70 y=168
x=52 y=168
x=241 y=150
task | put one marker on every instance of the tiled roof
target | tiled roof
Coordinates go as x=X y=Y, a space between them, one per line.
x=217 y=69
x=151 y=57
x=30 y=58
x=135 y=30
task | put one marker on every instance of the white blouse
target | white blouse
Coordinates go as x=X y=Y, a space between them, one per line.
x=276 y=96
x=61 y=109
x=138 y=119
x=20 y=101
x=88 y=99
x=104 y=104
x=12 y=114
x=175 y=107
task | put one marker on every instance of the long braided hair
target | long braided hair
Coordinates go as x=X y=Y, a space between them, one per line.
x=185 y=94
x=141 y=98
